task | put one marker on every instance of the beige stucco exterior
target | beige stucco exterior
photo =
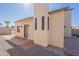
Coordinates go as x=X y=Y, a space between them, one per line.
x=67 y=24
x=40 y=36
x=57 y=29
x=22 y=23
x=57 y=20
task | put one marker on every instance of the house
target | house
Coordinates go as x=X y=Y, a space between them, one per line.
x=46 y=28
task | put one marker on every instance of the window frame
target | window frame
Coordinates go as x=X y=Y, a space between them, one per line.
x=35 y=23
x=18 y=28
x=43 y=24
x=48 y=23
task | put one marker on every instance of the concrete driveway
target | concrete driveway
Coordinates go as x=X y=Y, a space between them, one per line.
x=14 y=46
x=72 y=46
x=4 y=46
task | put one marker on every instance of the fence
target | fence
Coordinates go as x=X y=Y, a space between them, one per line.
x=5 y=31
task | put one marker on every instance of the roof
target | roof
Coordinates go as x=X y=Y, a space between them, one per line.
x=64 y=8
x=24 y=19
x=50 y=12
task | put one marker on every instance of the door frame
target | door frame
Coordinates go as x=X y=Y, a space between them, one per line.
x=25 y=30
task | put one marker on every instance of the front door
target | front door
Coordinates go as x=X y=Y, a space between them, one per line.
x=26 y=31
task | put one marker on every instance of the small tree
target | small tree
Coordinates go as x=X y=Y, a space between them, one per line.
x=7 y=23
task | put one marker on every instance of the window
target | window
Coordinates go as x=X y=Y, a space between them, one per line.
x=64 y=26
x=21 y=26
x=48 y=23
x=42 y=22
x=18 y=28
x=35 y=23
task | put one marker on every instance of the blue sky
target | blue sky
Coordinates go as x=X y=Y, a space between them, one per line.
x=14 y=12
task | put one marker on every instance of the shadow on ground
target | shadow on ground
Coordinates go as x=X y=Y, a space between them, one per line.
x=18 y=40
x=35 y=50
x=11 y=43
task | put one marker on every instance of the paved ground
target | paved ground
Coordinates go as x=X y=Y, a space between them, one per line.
x=56 y=50
x=15 y=46
x=72 y=46
x=11 y=46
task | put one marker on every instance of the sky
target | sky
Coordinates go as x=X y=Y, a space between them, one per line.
x=15 y=11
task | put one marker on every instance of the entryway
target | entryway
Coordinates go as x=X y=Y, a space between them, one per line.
x=26 y=27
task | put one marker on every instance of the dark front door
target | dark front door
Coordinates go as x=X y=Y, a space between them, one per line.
x=26 y=31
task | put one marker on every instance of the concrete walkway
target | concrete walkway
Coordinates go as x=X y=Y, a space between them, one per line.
x=12 y=46
x=15 y=46
x=4 y=46
x=72 y=46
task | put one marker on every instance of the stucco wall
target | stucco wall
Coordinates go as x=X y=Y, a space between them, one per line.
x=22 y=23
x=40 y=36
x=21 y=33
x=55 y=35
x=30 y=31
x=67 y=23
x=5 y=31
x=57 y=29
